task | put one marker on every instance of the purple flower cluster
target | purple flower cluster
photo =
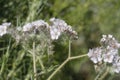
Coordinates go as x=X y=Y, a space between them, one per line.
x=107 y=53
x=55 y=29
x=39 y=29
x=59 y=26
x=35 y=25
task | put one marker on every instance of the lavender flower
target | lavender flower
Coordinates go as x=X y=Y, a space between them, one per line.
x=55 y=33
x=35 y=25
x=116 y=67
x=108 y=53
x=27 y=27
x=116 y=64
x=109 y=40
x=40 y=24
x=54 y=30
x=95 y=54
x=108 y=57
x=60 y=26
x=6 y=24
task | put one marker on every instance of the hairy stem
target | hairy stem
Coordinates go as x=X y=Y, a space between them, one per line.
x=67 y=60
x=41 y=63
x=100 y=73
x=34 y=61
x=69 y=53
x=104 y=74
x=50 y=77
x=77 y=57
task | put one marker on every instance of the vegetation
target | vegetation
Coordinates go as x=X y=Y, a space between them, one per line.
x=66 y=59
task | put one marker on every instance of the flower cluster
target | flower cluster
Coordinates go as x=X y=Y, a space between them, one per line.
x=53 y=30
x=56 y=28
x=3 y=28
x=59 y=26
x=35 y=25
x=107 y=53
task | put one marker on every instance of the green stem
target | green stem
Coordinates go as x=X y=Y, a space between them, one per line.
x=105 y=74
x=67 y=60
x=77 y=57
x=41 y=64
x=5 y=59
x=101 y=72
x=69 y=53
x=50 y=77
x=34 y=61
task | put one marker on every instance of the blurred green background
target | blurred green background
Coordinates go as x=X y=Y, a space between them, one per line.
x=90 y=18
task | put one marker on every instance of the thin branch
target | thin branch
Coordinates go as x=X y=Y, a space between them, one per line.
x=50 y=77
x=67 y=60
x=77 y=57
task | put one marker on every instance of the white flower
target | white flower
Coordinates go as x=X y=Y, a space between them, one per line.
x=103 y=39
x=19 y=28
x=95 y=55
x=118 y=45
x=108 y=57
x=36 y=25
x=59 y=24
x=62 y=27
x=6 y=24
x=110 y=36
x=40 y=24
x=109 y=40
x=3 y=30
x=54 y=33
x=116 y=67
x=27 y=27
x=109 y=54
x=52 y=19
